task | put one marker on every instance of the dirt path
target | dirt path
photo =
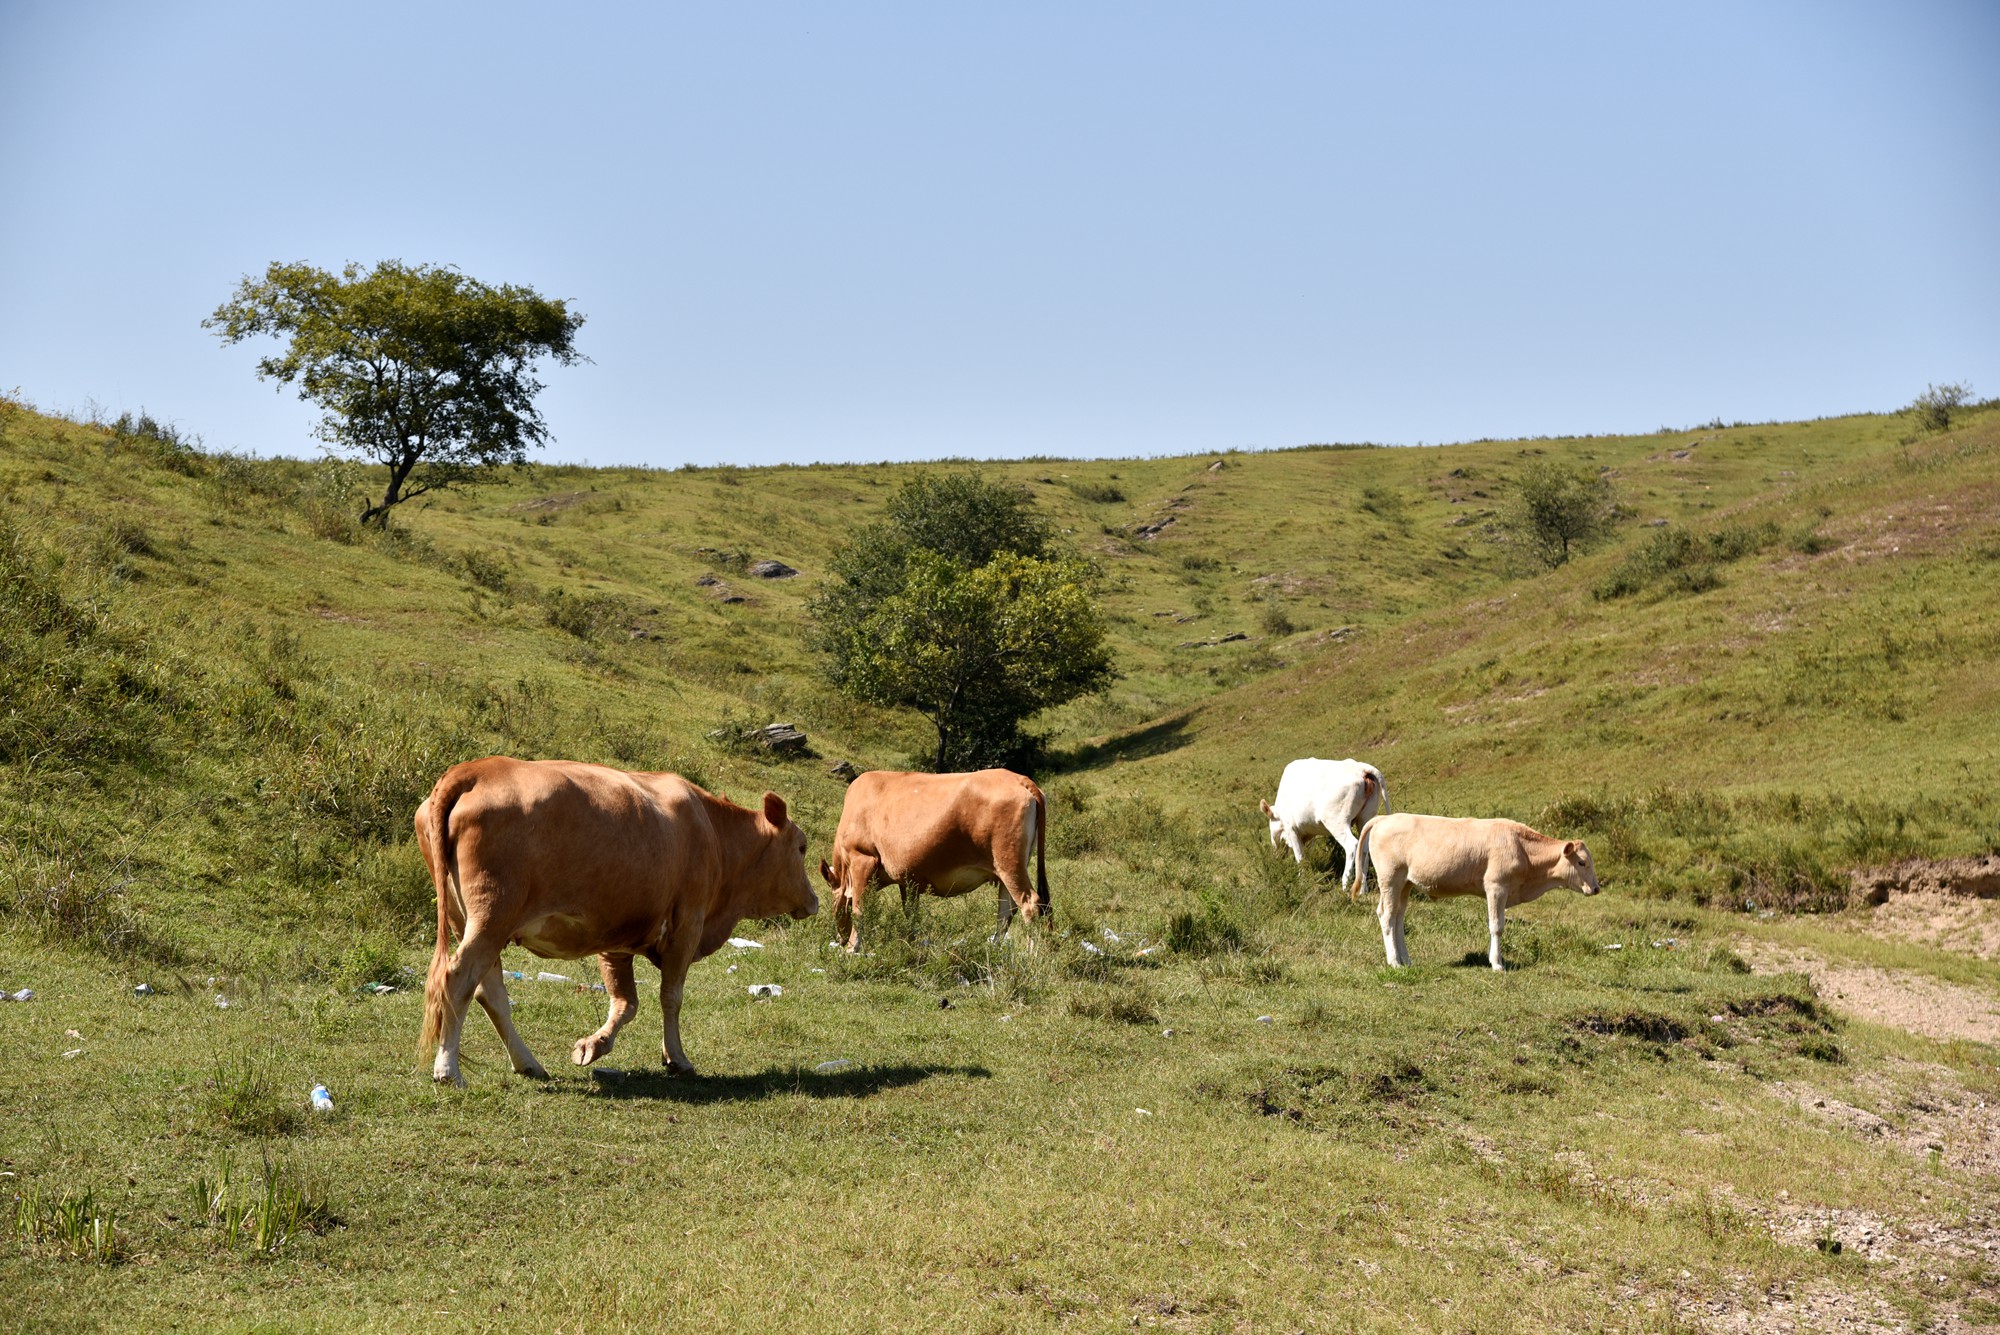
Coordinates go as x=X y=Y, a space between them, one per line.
x=1905 y=1000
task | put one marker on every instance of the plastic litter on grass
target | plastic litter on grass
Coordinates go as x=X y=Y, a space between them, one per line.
x=829 y=1067
x=745 y=943
x=766 y=990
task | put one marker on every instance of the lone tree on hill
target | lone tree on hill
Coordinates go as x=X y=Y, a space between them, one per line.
x=1558 y=510
x=419 y=368
x=960 y=605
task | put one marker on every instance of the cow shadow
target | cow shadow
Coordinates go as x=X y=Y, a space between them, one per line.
x=1155 y=739
x=853 y=1082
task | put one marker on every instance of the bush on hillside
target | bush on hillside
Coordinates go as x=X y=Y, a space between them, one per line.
x=1557 y=511
x=1935 y=408
x=1679 y=561
x=1097 y=493
x=162 y=441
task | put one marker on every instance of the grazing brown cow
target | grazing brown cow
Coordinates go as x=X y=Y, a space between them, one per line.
x=1503 y=860
x=572 y=860
x=941 y=834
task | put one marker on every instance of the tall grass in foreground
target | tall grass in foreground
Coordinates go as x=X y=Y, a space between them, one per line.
x=267 y=1210
x=70 y=1224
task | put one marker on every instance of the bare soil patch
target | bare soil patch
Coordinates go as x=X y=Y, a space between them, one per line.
x=1963 y=878
x=1940 y=921
x=1926 y=1006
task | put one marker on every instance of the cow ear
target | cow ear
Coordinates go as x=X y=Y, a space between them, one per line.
x=774 y=810
x=826 y=874
x=1263 y=806
x=1569 y=850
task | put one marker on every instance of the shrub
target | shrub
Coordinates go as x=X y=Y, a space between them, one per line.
x=584 y=615
x=1790 y=879
x=1934 y=409
x=162 y=442
x=489 y=572
x=1097 y=493
x=1684 y=562
x=1557 y=510
x=1274 y=621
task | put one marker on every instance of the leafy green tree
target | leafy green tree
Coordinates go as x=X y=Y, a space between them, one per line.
x=959 y=606
x=1938 y=404
x=1558 y=510
x=419 y=368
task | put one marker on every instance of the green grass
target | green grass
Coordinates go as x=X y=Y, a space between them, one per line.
x=223 y=702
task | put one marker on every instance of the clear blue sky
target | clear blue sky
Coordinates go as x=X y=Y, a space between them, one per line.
x=868 y=231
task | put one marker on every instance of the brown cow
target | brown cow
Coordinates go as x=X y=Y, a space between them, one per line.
x=942 y=834
x=571 y=860
x=1503 y=860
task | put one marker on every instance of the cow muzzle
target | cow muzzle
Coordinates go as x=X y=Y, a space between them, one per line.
x=811 y=909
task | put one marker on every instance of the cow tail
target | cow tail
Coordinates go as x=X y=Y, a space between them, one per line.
x=1041 y=851
x=1361 y=862
x=434 y=839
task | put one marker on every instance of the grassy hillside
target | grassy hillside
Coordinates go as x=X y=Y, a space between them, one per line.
x=223 y=701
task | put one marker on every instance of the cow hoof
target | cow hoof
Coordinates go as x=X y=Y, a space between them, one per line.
x=588 y=1050
x=534 y=1072
x=449 y=1079
x=677 y=1068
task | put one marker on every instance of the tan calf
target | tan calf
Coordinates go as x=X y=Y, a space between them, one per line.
x=1503 y=860
x=939 y=834
x=571 y=860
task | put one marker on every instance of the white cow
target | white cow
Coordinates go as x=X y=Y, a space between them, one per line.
x=1503 y=860
x=1330 y=797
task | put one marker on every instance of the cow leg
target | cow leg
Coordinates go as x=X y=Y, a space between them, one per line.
x=477 y=954
x=1005 y=918
x=673 y=985
x=1496 y=919
x=1296 y=844
x=1017 y=885
x=492 y=995
x=847 y=904
x=1390 y=907
x=624 y=994
x=1345 y=838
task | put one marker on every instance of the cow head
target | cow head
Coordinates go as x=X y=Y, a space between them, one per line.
x=1575 y=868
x=774 y=882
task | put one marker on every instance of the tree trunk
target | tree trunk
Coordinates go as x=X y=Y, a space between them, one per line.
x=378 y=515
